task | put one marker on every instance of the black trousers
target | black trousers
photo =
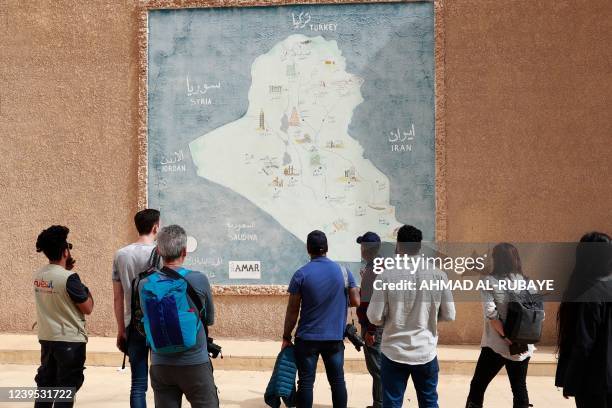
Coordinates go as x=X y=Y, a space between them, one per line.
x=488 y=365
x=594 y=401
x=61 y=365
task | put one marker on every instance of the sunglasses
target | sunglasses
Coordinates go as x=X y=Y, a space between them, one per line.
x=68 y=245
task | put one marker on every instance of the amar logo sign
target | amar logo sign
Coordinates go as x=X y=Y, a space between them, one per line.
x=244 y=269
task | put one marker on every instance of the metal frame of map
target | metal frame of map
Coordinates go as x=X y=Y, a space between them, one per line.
x=440 y=125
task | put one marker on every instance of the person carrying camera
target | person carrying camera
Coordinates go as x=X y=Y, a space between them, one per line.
x=177 y=307
x=371 y=334
x=129 y=261
x=62 y=301
x=320 y=293
x=410 y=325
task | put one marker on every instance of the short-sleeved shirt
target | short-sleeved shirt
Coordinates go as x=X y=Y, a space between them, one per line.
x=199 y=353
x=410 y=317
x=78 y=292
x=321 y=285
x=128 y=263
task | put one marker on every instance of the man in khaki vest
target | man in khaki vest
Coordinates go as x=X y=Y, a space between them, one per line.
x=61 y=303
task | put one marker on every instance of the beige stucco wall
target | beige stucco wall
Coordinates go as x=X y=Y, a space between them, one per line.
x=528 y=137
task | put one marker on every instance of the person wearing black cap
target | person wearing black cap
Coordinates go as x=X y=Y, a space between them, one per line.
x=320 y=293
x=370 y=247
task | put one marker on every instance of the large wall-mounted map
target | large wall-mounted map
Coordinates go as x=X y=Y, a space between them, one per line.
x=266 y=123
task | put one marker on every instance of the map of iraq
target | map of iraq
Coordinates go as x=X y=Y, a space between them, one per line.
x=291 y=154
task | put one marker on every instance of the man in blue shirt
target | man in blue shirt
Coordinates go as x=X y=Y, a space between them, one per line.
x=320 y=293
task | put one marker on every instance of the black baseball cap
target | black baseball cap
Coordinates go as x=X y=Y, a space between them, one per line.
x=316 y=243
x=368 y=237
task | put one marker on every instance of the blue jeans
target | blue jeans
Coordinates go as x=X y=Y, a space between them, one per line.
x=138 y=353
x=306 y=357
x=395 y=377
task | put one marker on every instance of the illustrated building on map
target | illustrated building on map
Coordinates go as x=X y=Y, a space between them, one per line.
x=261 y=121
x=351 y=173
x=294 y=120
x=277 y=182
x=276 y=89
x=289 y=171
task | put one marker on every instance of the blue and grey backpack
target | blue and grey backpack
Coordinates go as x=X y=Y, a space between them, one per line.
x=172 y=311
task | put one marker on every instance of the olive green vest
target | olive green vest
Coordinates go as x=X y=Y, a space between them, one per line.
x=58 y=318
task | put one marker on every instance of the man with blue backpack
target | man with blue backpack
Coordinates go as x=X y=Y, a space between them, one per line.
x=177 y=307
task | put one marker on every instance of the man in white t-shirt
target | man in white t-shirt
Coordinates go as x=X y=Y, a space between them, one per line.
x=410 y=325
x=128 y=263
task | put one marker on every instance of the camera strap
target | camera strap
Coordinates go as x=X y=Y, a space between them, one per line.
x=345 y=276
x=346 y=282
x=346 y=290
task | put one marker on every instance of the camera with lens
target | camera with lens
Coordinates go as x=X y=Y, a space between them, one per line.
x=350 y=332
x=213 y=349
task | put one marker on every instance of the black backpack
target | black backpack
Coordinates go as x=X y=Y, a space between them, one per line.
x=153 y=264
x=523 y=324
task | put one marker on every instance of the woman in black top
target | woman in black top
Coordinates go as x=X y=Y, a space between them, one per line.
x=584 y=325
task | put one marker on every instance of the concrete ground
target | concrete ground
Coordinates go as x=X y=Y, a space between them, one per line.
x=107 y=387
x=253 y=355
